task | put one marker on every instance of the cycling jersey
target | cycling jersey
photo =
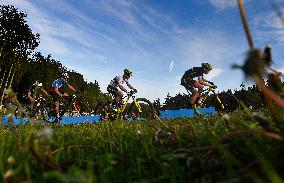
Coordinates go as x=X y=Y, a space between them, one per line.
x=118 y=80
x=189 y=80
x=58 y=83
x=193 y=73
x=25 y=95
x=113 y=86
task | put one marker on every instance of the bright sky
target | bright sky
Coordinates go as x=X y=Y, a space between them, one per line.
x=159 y=40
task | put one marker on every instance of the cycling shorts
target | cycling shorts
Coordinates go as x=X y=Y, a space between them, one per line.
x=54 y=96
x=112 y=90
x=189 y=84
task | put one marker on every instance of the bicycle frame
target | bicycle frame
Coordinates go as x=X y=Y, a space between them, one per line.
x=70 y=100
x=139 y=108
x=122 y=109
x=64 y=104
x=205 y=94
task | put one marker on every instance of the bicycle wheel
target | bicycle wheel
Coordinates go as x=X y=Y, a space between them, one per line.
x=104 y=109
x=230 y=102
x=146 y=112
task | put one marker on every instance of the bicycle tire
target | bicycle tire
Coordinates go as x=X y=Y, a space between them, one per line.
x=147 y=108
x=49 y=114
x=106 y=112
x=229 y=101
x=69 y=105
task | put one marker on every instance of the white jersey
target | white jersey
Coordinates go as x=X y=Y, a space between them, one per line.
x=118 y=80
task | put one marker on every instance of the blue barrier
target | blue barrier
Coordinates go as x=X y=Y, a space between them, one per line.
x=64 y=120
x=80 y=119
x=167 y=114
x=14 y=119
x=207 y=111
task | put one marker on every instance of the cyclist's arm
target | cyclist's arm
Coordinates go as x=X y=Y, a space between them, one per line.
x=44 y=92
x=58 y=92
x=30 y=96
x=205 y=82
x=130 y=86
x=209 y=83
x=71 y=88
x=202 y=81
x=122 y=88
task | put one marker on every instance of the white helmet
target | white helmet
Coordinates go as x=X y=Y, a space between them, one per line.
x=38 y=83
x=65 y=76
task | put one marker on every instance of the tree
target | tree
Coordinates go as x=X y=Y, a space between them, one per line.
x=16 y=37
x=92 y=96
x=40 y=68
x=180 y=101
x=16 y=42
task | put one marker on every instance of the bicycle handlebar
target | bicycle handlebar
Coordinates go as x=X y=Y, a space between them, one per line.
x=213 y=87
x=210 y=82
x=132 y=92
x=210 y=88
x=69 y=97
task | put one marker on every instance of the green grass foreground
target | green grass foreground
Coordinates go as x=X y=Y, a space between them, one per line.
x=236 y=148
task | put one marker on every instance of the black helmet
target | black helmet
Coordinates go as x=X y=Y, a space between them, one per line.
x=206 y=66
x=127 y=72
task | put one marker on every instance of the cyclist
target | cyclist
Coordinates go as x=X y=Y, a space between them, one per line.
x=194 y=82
x=28 y=95
x=56 y=94
x=116 y=88
x=34 y=91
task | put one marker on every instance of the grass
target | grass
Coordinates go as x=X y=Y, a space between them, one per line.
x=210 y=149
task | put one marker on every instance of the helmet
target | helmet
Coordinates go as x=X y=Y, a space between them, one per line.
x=38 y=83
x=65 y=76
x=128 y=72
x=206 y=66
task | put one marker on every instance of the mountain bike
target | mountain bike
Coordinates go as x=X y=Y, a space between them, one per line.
x=39 y=108
x=67 y=103
x=139 y=109
x=222 y=102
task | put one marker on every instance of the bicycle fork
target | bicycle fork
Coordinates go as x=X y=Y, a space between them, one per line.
x=138 y=106
x=218 y=99
x=119 y=110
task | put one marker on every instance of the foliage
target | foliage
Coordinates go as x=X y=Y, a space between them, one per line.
x=180 y=101
x=251 y=97
x=16 y=37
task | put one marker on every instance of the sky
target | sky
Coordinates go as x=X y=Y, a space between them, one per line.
x=158 y=39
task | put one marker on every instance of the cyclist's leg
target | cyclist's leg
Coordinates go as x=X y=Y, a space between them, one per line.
x=193 y=97
x=188 y=85
x=118 y=98
x=113 y=91
x=56 y=103
x=197 y=90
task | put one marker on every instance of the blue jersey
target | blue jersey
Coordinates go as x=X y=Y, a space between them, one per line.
x=58 y=83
